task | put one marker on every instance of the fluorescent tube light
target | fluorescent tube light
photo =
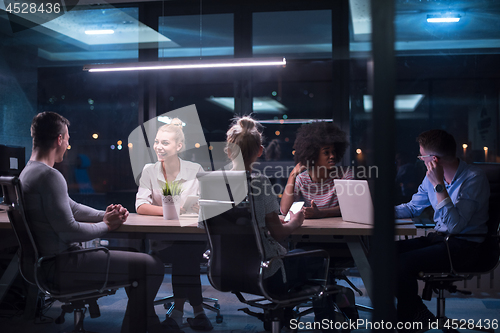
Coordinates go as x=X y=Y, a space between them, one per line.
x=159 y=65
x=443 y=18
x=260 y=104
x=99 y=32
x=292 y=121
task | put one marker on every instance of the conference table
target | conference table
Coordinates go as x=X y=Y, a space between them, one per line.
x=332 y=229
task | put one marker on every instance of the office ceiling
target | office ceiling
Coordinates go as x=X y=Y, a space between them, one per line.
x=303 y=34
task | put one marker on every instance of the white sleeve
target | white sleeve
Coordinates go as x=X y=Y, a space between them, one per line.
x=145 y=191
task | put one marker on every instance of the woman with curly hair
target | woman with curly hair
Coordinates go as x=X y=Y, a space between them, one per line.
x=319 y=146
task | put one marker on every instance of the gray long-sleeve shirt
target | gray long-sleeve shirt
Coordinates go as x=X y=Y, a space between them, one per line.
x=56 y=221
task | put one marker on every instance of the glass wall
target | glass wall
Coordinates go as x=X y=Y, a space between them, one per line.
x=294 y=34
x=197 y=36
x=103 y=110
x=447 y=76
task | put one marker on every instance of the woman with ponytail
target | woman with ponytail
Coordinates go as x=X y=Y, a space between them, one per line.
x=245 y=137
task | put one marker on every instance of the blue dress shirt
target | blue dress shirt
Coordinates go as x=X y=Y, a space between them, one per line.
x=465 y=213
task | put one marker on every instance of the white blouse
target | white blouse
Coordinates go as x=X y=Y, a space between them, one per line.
x=152 y=182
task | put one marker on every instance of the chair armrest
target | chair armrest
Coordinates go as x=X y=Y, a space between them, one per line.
x=95 y=249
x=320 y=281
x=298 y=254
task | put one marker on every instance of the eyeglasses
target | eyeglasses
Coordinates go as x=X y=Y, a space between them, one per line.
x=421 y=157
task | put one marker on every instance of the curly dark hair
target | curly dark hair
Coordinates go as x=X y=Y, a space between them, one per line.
x=311 y=137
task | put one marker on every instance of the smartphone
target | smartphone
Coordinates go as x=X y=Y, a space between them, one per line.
x=190 y=200
x=296 y=207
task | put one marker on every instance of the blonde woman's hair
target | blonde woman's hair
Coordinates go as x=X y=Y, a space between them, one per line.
x=245 y=135
x=178 y=133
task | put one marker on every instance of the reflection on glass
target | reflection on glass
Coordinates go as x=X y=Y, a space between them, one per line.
x=195 y=36
x=294 y=34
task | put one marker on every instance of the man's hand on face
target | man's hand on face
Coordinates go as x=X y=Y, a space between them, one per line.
x=435 y=172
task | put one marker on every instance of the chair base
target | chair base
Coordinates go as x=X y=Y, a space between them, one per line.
x=79 y=315
x=169 y=306
x=448 y=325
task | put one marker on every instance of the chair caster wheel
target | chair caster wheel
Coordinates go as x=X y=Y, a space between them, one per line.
x=268 y=325
x=218 y=319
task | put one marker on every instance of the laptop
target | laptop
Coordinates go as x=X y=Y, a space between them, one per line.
x=356 y=203
x=355 y=200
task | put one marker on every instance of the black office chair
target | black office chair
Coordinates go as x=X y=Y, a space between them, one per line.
x=237 y=261
x=30 y=263
x=444 y=281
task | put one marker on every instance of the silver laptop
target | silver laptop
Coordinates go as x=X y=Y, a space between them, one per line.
x=355 y=200
x=356 y=203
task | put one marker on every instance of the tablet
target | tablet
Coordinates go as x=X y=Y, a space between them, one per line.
x=296 y=207
x=190 y=201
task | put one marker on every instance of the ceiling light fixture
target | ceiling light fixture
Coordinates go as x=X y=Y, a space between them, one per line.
x=159 y=65
x=447 y=18
x=292 y=121
x=99 y=32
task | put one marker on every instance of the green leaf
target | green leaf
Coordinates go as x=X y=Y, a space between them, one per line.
x=172 y=188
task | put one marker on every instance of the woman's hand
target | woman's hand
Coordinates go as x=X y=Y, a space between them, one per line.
x=312 y=212
x=298 y=169
x=297 y=219
x=288 y=193
x=195 y=208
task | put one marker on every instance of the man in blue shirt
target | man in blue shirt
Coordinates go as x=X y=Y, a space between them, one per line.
x=459 y=194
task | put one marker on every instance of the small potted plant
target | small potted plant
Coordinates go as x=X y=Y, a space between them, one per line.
x=171 y=194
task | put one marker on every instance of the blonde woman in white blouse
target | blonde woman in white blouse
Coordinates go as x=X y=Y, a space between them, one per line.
x=184 y=256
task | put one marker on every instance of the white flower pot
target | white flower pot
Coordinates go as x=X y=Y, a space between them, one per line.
x=171 y=207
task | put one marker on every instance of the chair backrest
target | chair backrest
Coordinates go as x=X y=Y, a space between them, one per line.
x=490 y=247
x=492 y=171
x=236 y=251
x=13 y=201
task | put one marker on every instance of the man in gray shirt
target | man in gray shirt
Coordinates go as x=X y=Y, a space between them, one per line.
x=58 y=225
